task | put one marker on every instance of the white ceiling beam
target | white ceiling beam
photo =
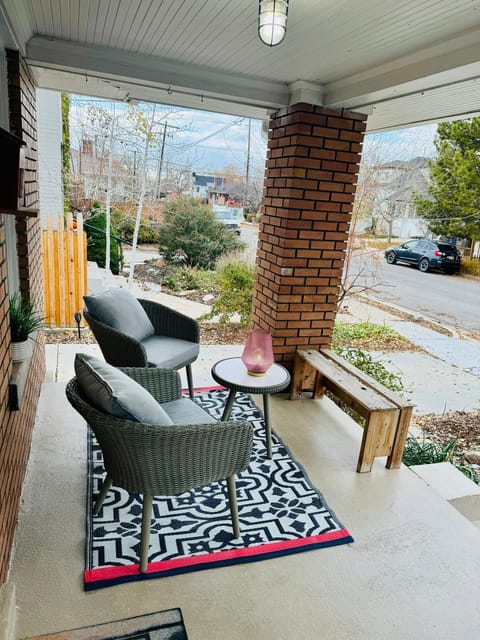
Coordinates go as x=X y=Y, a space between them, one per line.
x=155 y=72
x=74 y=82
x=439 y=65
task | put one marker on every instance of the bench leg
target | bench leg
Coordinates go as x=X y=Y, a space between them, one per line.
x=299 y=371
x=371 y=433
x=318 y=389
x=394 y=460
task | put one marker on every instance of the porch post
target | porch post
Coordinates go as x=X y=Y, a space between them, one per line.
x=312 y=164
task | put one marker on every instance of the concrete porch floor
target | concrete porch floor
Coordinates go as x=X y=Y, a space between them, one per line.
x=412 y=571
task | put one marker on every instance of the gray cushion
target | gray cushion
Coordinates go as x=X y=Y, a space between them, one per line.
x=170 y=353
x=185 y=411
x=113 y=392
x=122 y=311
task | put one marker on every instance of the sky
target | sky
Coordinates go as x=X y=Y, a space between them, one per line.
x=201 y=140
x=206 y=142
x=401 y=144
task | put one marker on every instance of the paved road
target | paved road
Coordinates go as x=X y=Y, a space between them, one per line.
x=451 y=300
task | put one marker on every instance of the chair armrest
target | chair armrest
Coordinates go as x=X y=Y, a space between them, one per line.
x=168 y=322
x=118 y=349
x=165 y=460
x=171 y=460
x=163 y=384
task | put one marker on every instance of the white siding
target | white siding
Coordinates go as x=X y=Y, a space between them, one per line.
x=49 y=112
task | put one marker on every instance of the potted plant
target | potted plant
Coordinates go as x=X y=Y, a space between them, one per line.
x=24 y=320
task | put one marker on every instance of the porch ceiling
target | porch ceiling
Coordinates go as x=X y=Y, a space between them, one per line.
x=404 y=62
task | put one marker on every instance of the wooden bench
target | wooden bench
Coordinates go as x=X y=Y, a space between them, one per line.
x=387 y=416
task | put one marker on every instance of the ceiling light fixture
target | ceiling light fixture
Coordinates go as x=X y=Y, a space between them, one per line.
x=272 y=21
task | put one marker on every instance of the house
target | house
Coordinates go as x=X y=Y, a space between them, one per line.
x=338 y=73
x=395 y=212
x=219 y=190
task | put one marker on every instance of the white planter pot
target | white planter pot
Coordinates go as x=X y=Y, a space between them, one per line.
x=21 y=350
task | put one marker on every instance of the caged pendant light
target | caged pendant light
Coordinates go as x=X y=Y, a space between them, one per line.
x=272 y=21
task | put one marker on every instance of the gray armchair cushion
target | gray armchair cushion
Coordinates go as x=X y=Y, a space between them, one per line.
x=169 y=353
x=113 y=392
x=185 y=411
x=122 y=311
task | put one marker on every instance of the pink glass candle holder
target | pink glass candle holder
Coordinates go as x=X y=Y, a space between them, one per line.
x=258 y=353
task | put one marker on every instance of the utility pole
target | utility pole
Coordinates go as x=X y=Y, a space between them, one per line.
x=247 y=168
x=160 y=164
x=159 y=174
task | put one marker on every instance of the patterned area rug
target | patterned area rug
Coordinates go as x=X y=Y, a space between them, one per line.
x=163 y=625
x=280 y=511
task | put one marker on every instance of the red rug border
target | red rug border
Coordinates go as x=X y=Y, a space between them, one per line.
x=95 y=578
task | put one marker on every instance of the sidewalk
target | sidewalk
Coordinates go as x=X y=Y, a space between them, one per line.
x=443 y=377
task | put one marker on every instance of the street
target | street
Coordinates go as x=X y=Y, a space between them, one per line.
x=450 y=300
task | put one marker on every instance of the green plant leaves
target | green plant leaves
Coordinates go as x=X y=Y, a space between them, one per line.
x=24 y=318
x=417 y=452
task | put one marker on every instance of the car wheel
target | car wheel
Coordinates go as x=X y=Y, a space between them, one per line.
x=391 y=257
x=423 y=265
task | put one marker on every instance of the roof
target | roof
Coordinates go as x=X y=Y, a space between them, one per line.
x=399 y=61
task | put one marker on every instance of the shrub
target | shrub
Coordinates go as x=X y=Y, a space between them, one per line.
x=146 y=233
x=236 y=293
x=180 y=279
x=192 y=234
x=95 y=227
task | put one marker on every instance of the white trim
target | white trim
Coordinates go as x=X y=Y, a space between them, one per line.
x=440 y=65
x=301 y=91
x=114 y=64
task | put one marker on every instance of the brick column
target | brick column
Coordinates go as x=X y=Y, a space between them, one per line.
x=312 y=164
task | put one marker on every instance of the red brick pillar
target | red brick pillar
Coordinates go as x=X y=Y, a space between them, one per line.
x=312 y=164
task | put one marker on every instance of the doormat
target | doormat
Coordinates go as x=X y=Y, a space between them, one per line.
x=163 y=625
x=280 y=513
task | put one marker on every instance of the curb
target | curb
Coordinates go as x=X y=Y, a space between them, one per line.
x=412 y=315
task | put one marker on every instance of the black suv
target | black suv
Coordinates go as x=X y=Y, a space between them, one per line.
x=426 y=254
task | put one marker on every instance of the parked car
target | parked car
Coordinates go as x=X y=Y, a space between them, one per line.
x=426 y=254
x=229 y=217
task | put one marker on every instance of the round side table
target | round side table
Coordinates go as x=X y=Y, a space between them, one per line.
x=232 y=374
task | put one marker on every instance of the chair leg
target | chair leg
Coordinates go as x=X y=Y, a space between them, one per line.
x=232 y=500
x=146 y=523
x=107 y=483
x=190 y=380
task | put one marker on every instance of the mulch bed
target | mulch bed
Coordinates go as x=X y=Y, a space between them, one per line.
x=464 y=426
x=209 y=334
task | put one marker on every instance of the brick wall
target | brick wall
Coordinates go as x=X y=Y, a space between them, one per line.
x=312 y=164
x=16 y=427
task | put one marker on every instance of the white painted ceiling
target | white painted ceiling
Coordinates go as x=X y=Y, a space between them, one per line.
x=403 y=62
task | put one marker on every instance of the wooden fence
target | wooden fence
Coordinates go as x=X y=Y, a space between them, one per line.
x=64 y=271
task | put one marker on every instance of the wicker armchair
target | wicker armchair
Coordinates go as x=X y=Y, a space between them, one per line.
x=174 y=345
x=168 y=460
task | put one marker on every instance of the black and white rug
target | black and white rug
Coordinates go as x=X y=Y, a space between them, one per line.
x=280 y=512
